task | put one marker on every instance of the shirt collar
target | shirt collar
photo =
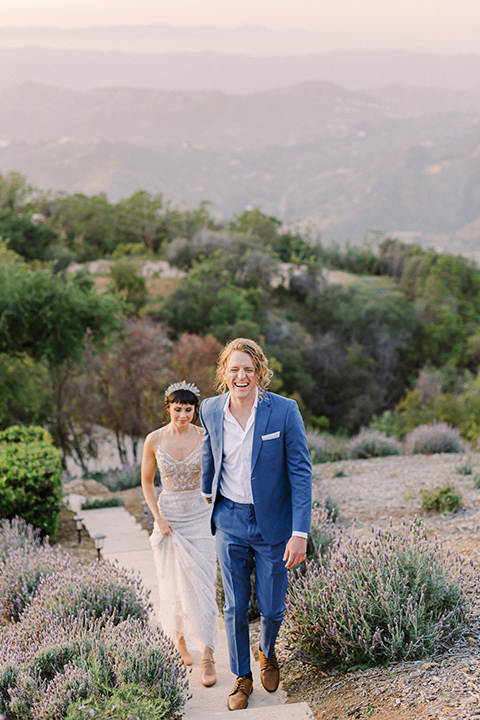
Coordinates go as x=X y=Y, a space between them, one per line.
x=227 y=401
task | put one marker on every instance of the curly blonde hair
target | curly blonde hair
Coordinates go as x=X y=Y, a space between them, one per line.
x=263 y=374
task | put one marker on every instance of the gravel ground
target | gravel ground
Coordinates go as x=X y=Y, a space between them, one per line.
x=379 y=493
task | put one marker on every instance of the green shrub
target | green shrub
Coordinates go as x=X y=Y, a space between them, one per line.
x=380 y=601
x=441 y=499
x=373 y=443
x=326 y=448
x=24 y=434
x=83 y=646
x=466 y=468
x=122 y=478
x=30 y=478
x=476 y=481
x=97 y=503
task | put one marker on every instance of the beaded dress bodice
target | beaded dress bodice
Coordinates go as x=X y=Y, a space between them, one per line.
x=180 y=475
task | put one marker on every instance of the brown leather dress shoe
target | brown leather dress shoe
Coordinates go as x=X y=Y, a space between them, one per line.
x=269 y=671
x=238 y=698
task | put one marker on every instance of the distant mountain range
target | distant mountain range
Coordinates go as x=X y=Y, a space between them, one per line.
x=344 y=143
x=252 y=40
x=233 y=73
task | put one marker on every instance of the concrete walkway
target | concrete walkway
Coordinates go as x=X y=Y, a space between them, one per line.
x=129 y=544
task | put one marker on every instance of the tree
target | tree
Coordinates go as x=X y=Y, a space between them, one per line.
x=256 y=224
x=86 y=225
x=143 y=219
x=206 y=307
x=128 y=286
x=50 y=319
x=32 y=241
x=14 y=191
x=194 y=359
x=130 y=379
x=25 y=393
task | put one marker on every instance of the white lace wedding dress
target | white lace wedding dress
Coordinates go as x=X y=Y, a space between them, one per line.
x=185 y=561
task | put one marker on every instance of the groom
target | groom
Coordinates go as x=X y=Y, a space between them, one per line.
x=256 y=468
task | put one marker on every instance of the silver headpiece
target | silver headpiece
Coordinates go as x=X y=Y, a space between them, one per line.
x=182 y=386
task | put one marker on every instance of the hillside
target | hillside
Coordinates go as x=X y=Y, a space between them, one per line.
x=404 y=161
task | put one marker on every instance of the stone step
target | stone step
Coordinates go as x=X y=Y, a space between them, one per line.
x=127 y=543
x=293 y=711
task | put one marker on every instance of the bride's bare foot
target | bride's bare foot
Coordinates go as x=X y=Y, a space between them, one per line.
x=209 y=676
x=184 y=654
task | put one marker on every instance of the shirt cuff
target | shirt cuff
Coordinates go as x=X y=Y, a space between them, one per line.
x=206 y=495
x=297 y=533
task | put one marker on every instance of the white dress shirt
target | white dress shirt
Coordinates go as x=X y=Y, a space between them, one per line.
x=235 y=481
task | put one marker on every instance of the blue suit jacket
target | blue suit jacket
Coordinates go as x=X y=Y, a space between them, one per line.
x=281 y=468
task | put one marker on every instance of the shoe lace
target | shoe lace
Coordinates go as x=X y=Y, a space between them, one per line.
x=272 y=662
x=242 y=684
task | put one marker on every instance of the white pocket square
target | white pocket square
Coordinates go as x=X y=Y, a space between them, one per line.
x=271 y=436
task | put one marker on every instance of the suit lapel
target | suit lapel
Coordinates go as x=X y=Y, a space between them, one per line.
x=261 y=422
x=217 y=436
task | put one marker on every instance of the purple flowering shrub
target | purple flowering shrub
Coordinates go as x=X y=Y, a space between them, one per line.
x=325 y=448
x=54 y=666
x=25 y=559
x=16 y=533
x=373 y=443
x=77 y=669
x=75 y=639
x=22 y=572
x=386 y=600
x=435 y=438
x=66 y=688
x=322 y=529
x=97 y=591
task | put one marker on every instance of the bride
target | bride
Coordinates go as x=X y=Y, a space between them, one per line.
x=182 y=543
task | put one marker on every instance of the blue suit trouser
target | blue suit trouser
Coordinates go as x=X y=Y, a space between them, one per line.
x=240 y=549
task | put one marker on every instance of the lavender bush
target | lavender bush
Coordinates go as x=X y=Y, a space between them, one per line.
x=16 y=533
x=434 y=438
x=326 y=448
x=373 y=443
x=82 y=644
x=98 y=591
x=21 y=573
x=66 y=688
x=127 y=702
x=385 y=600
x=25 y=559
x=111 y=670
x=322 y=531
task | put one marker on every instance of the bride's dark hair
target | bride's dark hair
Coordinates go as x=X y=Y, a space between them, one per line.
x=184 y=397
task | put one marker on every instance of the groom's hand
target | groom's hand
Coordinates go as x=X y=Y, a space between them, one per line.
x=295 y=552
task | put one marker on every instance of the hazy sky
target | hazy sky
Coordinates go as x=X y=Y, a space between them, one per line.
x=451 y=23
